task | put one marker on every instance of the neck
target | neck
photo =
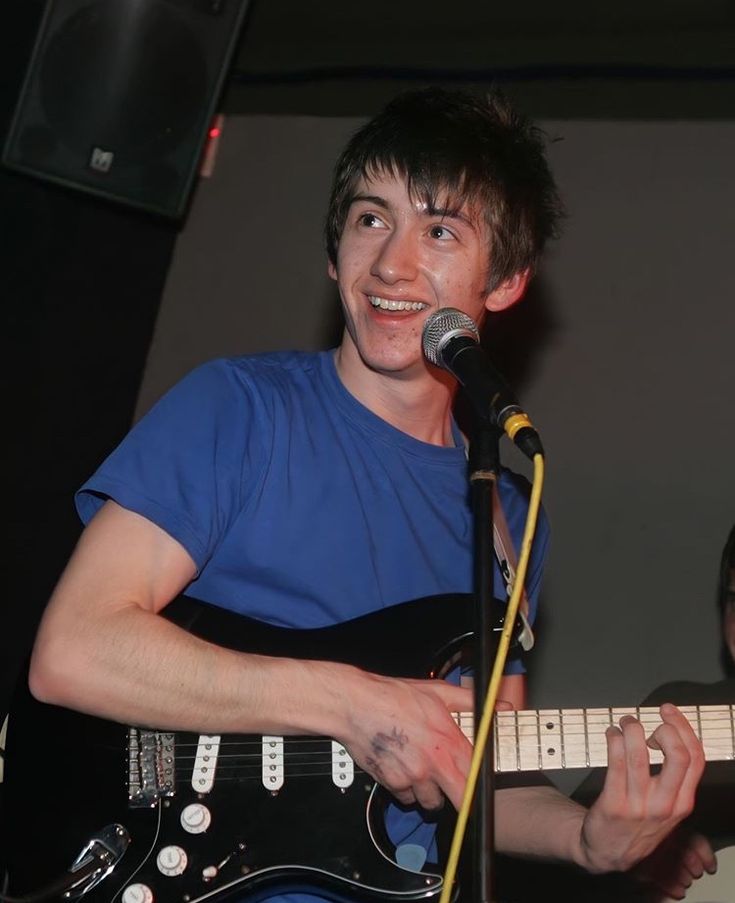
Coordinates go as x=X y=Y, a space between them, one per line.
x=418 y=403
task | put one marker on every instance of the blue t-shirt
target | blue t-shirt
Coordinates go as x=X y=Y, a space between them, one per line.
x=301 y=507
x=298 y=505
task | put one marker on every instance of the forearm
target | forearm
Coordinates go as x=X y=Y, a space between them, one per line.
x=136 y=667
x=636 y=810
x=538 y=822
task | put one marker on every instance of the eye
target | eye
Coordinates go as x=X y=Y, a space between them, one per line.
x=370 y=220
x=441 y=233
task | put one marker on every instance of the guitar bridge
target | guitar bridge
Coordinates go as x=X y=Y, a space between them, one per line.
x=150 y=767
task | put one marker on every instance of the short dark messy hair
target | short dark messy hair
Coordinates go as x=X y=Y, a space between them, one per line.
x=453 y=148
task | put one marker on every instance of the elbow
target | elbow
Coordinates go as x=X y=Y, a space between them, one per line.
x=51 y=673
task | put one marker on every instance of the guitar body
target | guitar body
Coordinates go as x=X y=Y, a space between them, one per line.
x=308 y=835
x=68 y=776
x=238 y=816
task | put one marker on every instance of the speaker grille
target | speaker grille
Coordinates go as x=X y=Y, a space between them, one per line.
x=120 y=94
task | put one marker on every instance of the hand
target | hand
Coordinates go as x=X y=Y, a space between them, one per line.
x=676 y=863
x=636 y=810
x=403 y=733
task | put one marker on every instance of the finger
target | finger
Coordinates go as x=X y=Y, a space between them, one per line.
x=673 y=889
x=637 y=760
x=405 y=797
x=454 y=782
x=672 y=716
x=456 y=699
x=428 y=795
x=676 y=785
x=615 y=787
x=700 y=856
x=502 y=705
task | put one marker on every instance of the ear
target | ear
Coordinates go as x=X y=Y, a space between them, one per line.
x=332 y=270
x=507 y=293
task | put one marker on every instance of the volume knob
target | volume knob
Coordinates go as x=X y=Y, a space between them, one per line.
x=195 y=818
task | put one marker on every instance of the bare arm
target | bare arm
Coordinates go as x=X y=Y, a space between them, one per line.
x=103 y=648
x=633 y=815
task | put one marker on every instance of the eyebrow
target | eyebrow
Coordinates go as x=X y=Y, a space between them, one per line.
x=443 y=212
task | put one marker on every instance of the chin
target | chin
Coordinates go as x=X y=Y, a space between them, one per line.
x=397 y=362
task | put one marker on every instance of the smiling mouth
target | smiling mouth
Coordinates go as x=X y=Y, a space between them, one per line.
x=385 y=304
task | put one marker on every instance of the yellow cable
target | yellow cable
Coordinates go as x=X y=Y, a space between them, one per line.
x=483 y=729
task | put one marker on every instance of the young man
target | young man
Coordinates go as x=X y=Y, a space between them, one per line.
x=308 y=489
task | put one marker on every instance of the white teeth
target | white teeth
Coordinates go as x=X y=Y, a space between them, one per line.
x=385 y=304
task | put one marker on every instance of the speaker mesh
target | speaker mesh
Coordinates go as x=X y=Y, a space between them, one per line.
x=119 y=96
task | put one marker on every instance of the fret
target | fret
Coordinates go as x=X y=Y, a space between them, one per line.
x=538 y=738
x=552 y=739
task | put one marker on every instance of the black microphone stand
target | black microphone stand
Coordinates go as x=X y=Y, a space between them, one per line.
x=484 y=464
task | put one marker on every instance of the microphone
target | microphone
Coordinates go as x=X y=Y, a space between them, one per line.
x=451 y=341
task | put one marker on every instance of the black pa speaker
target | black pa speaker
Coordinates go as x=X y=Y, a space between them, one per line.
x=119 y=96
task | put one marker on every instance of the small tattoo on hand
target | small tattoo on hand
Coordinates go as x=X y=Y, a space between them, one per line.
x=383 y=743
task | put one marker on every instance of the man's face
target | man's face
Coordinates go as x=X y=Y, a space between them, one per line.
x=398 y=261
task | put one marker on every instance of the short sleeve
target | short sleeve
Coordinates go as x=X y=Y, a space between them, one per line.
x=187 y=464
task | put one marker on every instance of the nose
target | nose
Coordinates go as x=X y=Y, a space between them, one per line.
x=397 y=258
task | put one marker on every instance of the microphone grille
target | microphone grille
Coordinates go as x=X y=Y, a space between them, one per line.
x=443 y=325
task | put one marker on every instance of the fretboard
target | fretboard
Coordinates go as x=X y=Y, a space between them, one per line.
x=575 y=738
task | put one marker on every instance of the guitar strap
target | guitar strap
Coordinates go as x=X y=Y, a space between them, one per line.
x=506 y=554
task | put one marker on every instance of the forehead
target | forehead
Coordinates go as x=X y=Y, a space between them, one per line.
x=397 y=189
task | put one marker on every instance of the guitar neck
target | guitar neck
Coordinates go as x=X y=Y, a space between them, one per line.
x=575 y=738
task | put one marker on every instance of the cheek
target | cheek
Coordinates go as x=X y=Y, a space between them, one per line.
x=351 y=261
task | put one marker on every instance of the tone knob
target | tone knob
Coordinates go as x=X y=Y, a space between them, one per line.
x=195 y=818
x=171 y=861
x=137 y=893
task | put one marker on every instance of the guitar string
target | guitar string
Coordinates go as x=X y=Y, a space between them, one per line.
x=571 y=724
x=574 y=725
x=594 y=750
x=234 y=766
x=507 y=729
x=575 y=732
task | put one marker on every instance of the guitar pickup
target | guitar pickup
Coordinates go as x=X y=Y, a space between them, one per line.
x=151 y=763
x=343 y=767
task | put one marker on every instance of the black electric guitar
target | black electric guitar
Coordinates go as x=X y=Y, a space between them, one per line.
x=211 y=817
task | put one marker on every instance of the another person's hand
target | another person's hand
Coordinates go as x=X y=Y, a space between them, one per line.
x=676 y=863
